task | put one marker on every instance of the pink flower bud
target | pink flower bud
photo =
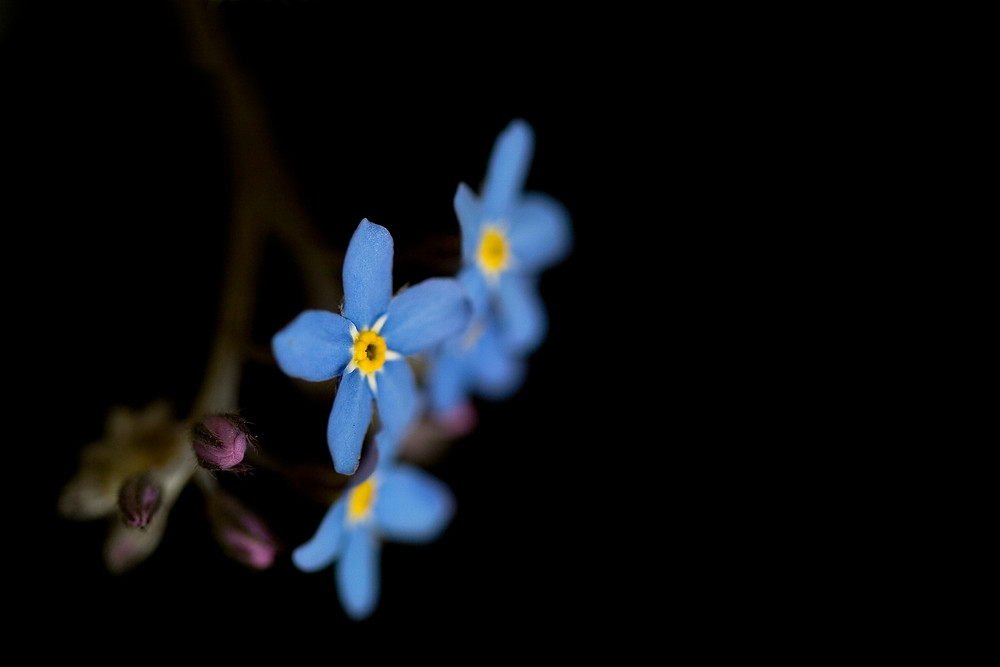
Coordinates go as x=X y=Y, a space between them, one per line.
x=139 y=498
x=221 y=441
x=243 y=535
x=459 y=421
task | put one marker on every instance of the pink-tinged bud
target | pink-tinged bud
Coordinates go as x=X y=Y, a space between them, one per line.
x=138 y=499
x=460 y=420
x=243 y=535
x=221 y=441
x=125 y=547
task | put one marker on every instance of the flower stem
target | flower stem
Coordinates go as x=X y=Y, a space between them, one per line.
x=264 y=201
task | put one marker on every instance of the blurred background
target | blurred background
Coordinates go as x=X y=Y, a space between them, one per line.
x=117 y=200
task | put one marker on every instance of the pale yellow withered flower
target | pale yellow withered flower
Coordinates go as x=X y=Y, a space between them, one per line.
x=149 y=442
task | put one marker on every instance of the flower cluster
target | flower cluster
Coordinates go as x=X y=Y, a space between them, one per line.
x=475 y=330
x=404 y=362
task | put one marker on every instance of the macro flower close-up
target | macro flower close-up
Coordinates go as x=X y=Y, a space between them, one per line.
x=367 y=346
x=316 y=364
x=397 y=502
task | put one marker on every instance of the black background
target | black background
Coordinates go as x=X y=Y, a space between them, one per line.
x=674 y=469
x=116 y=203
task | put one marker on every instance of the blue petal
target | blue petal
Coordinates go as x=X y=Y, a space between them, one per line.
x=468 y=209
x=367 y=274
x=412 y=506
x=447 y=382
x=425 y=314
x=499 y=374
x=386 y=446
x=324 y=546
x=371 y=457
x=358 y=573
x=508 y=168
x=396 y=397
x=477 y=289
x=316 y=345
x=540 y=233
x=349 y=420
x=522 y=315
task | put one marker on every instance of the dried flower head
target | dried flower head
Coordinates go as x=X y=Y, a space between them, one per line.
x=134 y=441
x=137 y=470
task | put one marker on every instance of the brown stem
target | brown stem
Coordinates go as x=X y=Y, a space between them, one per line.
x=264 y=201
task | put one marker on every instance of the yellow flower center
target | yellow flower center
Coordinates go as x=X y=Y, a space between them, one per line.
x=494 y=250
x=359 y=504
x=369 y=351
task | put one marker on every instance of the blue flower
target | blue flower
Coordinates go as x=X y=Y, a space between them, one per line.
x=477 y=363
x=398 y=502
x=368 y=344
x=508 y=238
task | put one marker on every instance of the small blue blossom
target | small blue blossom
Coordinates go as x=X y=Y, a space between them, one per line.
x=508 y=238
x=478 y=363
x=368 y=344
x=398 y=502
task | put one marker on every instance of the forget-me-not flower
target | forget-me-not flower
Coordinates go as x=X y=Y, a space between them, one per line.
x=398 y=502
x=509 y=237
x=367 y=345
x=478 y=363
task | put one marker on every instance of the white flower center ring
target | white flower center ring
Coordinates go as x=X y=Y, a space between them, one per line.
x=370 y=352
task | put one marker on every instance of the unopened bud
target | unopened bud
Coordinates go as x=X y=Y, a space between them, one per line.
x=459 y=421
x=221 y=441
x=242 y=534
x=139 y=498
